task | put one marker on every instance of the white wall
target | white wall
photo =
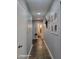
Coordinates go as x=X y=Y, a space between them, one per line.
x=29 y=34
x=24 y=31
x=34 y=29
x=52 y=38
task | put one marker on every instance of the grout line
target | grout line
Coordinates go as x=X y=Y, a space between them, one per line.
x=48 y=49
x=29 y=51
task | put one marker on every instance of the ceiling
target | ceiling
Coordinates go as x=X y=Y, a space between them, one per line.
x=39 y=8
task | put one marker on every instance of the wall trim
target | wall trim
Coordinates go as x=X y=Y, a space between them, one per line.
x=48 y=49
x=29 y=52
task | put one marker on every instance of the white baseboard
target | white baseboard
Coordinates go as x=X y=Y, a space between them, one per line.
x=48 y=49
x=29 y=52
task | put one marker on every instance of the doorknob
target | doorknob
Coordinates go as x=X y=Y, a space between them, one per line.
x=20 y=46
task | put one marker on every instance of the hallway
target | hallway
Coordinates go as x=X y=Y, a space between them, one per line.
x=39 y=29
x=39 y=50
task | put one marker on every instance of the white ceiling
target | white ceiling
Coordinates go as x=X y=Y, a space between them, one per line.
x=39 y=7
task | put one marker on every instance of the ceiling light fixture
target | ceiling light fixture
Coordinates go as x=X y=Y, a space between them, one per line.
x=38 y=13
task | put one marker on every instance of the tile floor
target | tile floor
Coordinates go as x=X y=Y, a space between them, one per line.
x=39 y=51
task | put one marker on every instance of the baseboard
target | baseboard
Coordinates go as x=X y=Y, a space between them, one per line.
x=48 y=49
x=29 y=51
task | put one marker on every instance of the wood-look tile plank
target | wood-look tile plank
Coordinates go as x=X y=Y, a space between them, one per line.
x=39 y=51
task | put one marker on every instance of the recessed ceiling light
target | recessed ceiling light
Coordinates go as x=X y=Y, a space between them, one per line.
x=38 y=13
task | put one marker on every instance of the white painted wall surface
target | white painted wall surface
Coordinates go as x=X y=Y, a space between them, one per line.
x=24 y=32
x=52 y=38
